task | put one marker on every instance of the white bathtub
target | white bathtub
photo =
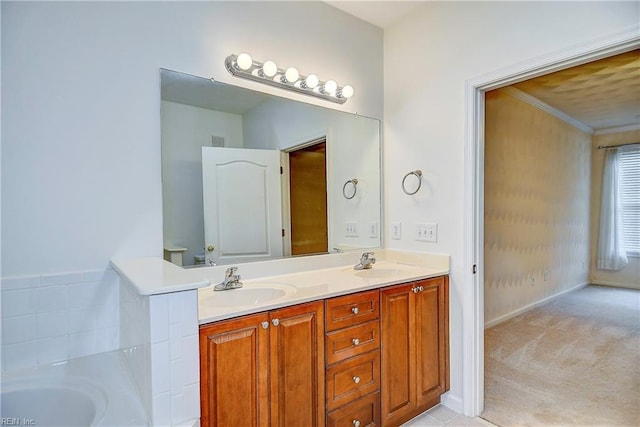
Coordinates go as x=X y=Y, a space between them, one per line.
x=89 y=391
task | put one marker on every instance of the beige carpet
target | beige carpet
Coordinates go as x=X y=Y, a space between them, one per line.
x=574 y=361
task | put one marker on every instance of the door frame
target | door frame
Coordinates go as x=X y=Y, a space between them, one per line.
x=286 y=176
x=473 y=300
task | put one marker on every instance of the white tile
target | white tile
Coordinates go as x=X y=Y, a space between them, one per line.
x=54 y=349
x=61 y=278
x=423 y=420
x=161 y=410
x=176 y=307
x=19 y=282
x=160 y=368
x=83 y=344
x=177 y=408
x=18 y=302
x=19 y=329
x=462 y=421
x=81 y=320
x=51 y=298
x=178 y=375
x=159 y=317
x=175 y=341
x=93 y=275
x=19 y=356
x=83 y=295
x=108 y=340
x=442 y=413
x=51 y=324
x=109 y=293
x=190 y=313
x=192 y=401
x=191 y=358
x=107 y=316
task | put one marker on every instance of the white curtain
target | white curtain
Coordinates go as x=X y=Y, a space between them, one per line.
x=611 y=251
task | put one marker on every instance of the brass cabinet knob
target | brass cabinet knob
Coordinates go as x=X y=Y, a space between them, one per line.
x=210 y=248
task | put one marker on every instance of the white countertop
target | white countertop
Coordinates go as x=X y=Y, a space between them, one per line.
x=281 y=282
x=306 y=286
x=155 y=276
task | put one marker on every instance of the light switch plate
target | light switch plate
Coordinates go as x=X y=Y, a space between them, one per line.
x=426 y=232
x=351 y=229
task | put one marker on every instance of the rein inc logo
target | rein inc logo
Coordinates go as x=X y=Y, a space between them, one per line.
x=16 y=421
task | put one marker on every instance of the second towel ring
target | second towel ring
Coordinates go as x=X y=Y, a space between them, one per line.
x=353 y=182
x=418 y=174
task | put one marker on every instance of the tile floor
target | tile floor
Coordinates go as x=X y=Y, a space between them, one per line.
x=440 y=415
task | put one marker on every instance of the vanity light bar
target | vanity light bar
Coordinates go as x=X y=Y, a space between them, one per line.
x=268 y=72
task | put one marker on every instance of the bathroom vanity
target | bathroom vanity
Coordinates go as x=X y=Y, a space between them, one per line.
x=346 y=348
x=304 y=341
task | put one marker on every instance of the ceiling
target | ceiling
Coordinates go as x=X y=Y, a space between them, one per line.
x=598 y=96
x=379 y=13
x=602 y=95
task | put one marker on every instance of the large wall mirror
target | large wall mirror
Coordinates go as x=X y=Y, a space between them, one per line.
x=248 y=176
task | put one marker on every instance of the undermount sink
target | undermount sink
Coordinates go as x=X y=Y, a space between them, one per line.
x=250 y=294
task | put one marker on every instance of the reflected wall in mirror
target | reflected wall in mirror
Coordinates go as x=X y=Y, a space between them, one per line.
x=248 y=176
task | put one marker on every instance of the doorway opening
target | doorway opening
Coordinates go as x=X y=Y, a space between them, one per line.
x=307 y=185
x=473 y=301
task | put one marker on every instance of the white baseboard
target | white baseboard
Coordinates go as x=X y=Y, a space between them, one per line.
x=452 y=402
x=616 y=284
x=532 y=305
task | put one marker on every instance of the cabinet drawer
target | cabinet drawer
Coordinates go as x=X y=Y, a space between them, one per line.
x=352 y=309
x=350 y=342
x=352 y=379
x=364 y=412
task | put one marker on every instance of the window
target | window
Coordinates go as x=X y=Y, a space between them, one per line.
x=629 y=186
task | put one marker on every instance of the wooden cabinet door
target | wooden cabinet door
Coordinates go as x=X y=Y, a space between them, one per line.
x=233 y=372
x=431 y=353
x=297 y=365
x=397 y=330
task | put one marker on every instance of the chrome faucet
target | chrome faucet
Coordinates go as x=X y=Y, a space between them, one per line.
x=366 y=261
x=231 y=280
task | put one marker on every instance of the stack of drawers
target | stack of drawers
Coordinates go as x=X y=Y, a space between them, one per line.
x=353 y=360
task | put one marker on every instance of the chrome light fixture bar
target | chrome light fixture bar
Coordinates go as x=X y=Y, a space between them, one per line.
x=267 y=72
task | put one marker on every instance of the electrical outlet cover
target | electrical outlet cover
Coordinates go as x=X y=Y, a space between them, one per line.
x=396 y=230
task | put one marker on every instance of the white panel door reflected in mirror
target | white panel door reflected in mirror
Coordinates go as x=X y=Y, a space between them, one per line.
x=197 y=113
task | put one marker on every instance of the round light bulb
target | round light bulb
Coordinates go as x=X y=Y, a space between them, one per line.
x=269 y=68
x=347 y=91
x=330 y=86
x=291 y=75
x=244 y=61
x=311 y=81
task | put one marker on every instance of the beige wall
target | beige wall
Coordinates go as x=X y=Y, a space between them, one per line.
x=630 y=275
x=537 y=191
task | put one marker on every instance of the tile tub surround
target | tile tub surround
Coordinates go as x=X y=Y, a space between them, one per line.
x=57 y=317
x=159 y=337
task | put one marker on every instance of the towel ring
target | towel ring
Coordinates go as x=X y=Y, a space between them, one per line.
x=353 y=182
x=418 y=174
